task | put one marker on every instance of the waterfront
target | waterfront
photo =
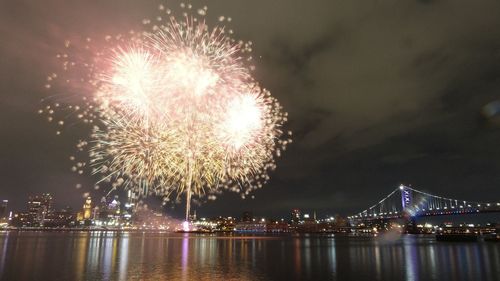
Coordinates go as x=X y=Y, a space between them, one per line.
x=163 y=256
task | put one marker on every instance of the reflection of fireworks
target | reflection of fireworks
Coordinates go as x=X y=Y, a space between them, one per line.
x=179 y=112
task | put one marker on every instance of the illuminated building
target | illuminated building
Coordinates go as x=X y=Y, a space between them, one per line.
x=114 y=207
x=225 y=223
x=102 y=210
x=277 y=226
x=62 y=218
x=262 y=225
x=128 y=212
x=193 y=216
x=129 y=208
x=79 y=216
x=40 y=213
x=309 y=219
x=39 y=207
x=259 y=226
x=204 y=225
x=295 y=216
x=23 y=219
x=87 y=208
x=3 y=209
x=112 y=213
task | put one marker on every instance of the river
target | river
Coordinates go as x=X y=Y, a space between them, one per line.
x=51 y=256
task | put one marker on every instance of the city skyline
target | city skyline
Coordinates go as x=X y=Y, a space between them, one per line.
x=112 y=213
x=445 y=210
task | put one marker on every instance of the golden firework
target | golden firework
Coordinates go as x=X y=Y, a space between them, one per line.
x=177 y=111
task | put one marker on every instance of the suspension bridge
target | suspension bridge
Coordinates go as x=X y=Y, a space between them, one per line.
x=408 y=202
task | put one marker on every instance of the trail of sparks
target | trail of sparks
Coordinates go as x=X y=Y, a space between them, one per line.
x=176 y=110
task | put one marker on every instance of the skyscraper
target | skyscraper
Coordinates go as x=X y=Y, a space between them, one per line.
x=87 y=208
x=295 y=216
x=3 y=209
x=39 y=207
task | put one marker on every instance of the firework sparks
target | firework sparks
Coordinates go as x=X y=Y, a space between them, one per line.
x=176 y=111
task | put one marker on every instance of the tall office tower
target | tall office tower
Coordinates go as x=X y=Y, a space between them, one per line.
x=295 y=216
x=87 y=208
x=3 y=209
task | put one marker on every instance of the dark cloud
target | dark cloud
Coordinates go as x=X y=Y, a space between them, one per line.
x=379 y=92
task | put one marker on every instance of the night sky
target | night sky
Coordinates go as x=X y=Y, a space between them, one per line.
x=379 y=93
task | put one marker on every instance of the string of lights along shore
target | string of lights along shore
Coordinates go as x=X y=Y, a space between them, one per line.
x=171 y=110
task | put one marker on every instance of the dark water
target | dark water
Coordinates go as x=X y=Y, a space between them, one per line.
x=153 y=256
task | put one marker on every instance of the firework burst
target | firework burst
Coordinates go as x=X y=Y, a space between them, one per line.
x=176 y=111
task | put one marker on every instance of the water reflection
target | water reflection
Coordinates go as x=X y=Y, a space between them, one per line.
x=124 y=254
x=147 y=256
x=185 y=253
x=411 y=261
x=4 y=251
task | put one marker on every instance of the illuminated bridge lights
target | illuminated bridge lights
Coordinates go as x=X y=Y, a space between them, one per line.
x=406 y=200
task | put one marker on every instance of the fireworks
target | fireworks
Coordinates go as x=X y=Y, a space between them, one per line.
x=176 y=111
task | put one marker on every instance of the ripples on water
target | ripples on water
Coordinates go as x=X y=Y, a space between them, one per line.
x=156 y=256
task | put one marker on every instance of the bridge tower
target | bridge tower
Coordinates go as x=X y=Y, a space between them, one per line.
x=406 y=197
x=406 y=208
